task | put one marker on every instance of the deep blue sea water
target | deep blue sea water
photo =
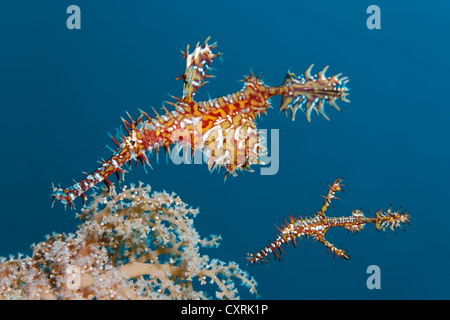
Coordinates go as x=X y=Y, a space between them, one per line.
x=62 y=90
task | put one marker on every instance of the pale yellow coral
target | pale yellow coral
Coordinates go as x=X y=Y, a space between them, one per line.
x=131 y=245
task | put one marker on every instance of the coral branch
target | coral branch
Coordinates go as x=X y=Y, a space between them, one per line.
x=318 y=225
x=131 y=245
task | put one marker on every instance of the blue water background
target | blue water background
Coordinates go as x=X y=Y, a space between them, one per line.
x=62 y=90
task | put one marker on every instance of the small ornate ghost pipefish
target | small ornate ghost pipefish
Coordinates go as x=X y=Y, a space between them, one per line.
x=318 y=225
x=223 y=128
